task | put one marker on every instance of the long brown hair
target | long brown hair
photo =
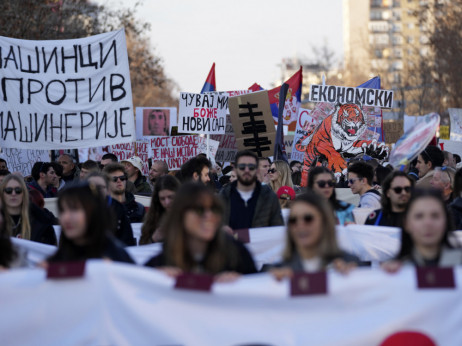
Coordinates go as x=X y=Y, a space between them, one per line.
x=176 y=250
x=328 y=248
x=285 y=178
x=25 y=221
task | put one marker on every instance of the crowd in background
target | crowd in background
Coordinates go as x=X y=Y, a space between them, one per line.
x=195 y=210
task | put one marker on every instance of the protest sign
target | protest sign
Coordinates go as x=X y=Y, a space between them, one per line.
x=393 y=130
x=139 y=148
x=21 y=160
x=444 y=132
x=95 y=153
x=213 y=147
x=455 y=115
x=202 y=113
x=253 y=123
x=65 y=94
x=154 y=121
x=174 y=150
x=305 y=128
x=360 y=96
x=123 y=151
x=227 y=148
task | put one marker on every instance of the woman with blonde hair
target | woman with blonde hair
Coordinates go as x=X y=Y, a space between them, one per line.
x=23 y=219
x=280 y=175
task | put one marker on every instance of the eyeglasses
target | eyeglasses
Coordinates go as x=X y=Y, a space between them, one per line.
x=250 y=166
x=352 y=181
x=9 y=190
x=121 y=177
x=272 y=170
x=201 y=210
x=399 y=189
x=323 y=183
x=307 y=218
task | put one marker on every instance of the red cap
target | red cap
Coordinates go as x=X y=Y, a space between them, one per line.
x=286 y=192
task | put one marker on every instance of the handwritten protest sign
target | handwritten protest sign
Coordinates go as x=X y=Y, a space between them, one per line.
x=253 y=123
x=393 y=130
x=174 y=150
x=126 y=150
x=202 y=113
x=65 y=94
x=228 y=148
x=305 y=128
x=19 y=160
x=155 y=121
x=455 y=115
x=361 y=96
x=213 y=147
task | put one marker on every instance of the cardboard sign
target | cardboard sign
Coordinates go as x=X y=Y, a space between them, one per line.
x=361 y=96
x=154 y=121
x=455 y=115
x=65 y=270
x=393 y=130
x=306 y=284
x=434 y=277
x=227 y=148
x=65 y=94
x=202 y=113
x=253 y=123
x=174 y=150
x=19 y=160
x=197 y=282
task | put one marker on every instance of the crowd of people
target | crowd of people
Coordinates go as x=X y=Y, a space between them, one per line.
x=194 y=211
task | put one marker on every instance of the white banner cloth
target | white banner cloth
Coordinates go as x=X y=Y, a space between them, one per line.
x=120 y=304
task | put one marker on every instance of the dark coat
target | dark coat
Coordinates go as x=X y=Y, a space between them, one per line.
x=456 y=209
x=380 y=218
x=267 y=209
x=142 y=187
x=135 y=211
x=244 y=264
x=41 y=223
x=123 y=230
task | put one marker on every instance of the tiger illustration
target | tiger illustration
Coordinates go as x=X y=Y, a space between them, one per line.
x=337 y=134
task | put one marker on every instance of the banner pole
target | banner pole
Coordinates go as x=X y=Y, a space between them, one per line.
x=207 y=150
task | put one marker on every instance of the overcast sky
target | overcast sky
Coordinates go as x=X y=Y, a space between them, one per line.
x=247 y=39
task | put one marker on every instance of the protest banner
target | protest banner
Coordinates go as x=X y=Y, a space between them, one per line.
x=227 y=148
x=139 y=306
x=253 y=123
x=202 y=113
x=154 y=121
x=94 y=153
x=360 y=96
x=212 y=150
x=139 y=148
x=174 y=150
x=393 y=130
x=65 y=94
x=455 y=114
x=22 y=160
x=123 y=151
x=306 y=126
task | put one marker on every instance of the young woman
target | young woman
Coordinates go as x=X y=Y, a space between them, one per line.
x=424 y=240
x=85 y=223
x=280 y=175
x=311 y=243
x=161 y=201
x=322 y=181
x=194 y=239
x=23 y=219
x=10 y=257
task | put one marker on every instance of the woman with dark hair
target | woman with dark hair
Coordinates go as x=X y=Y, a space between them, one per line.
x=322 y=181
x=424 y=239
x=9 y=256
x=311 y=243
x=194 y=238
x=85 y=227
x=161 y=201
x=24 y=219
x=456 y=205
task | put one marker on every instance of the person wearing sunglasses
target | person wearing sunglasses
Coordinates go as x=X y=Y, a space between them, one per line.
x=24 y=219
x=194 y=237
x=427 y=160
x=280 y=175
x=360 y=176
x=248 y=202
x=322 y=181
x=443 y=180
x=118 y=191
x=311 y=243
x=396 y=192
x=424 y=240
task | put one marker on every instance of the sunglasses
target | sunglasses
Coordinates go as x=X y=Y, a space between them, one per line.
x=121 y=177
x=9 y=190
x=250 y=166
x=323 y=183
x=201 y=210
x=352 y=181
x=307 y=218
x=272 y=171
x=400 y=189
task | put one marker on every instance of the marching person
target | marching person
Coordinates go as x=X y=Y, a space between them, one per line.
x=427 y=160
x=134 y=171
x=45 y=179
x=360 y=176
x=70 y=170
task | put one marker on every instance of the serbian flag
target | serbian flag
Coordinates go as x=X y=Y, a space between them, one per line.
x=210 y=84
x=374 y=83
x=292 y=104
x=256 y=87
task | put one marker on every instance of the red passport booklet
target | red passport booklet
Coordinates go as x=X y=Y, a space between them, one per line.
x=66 y=270
x=242 y=235
x=198 y=282
x=434 y=277
x=305 y=284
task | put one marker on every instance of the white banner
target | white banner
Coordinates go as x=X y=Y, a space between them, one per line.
x=22 y=160
x=65 y=94
x=455 y=115
x=202 y=113
x=174 y=150
x=120 y=304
